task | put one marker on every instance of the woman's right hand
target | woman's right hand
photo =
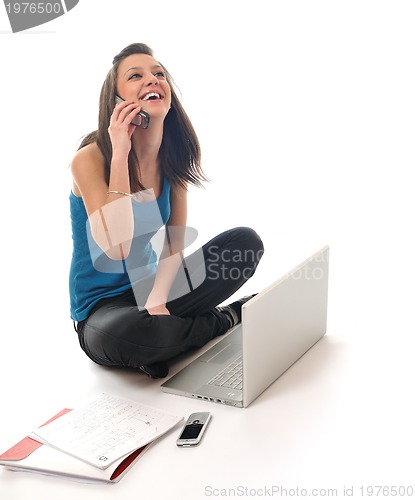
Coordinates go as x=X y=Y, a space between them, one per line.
x=121 y=129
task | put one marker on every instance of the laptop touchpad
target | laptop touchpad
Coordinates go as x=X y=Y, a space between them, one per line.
x=221 y=355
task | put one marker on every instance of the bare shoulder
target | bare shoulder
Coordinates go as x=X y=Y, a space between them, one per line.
x=88 y=168
x=88 y=157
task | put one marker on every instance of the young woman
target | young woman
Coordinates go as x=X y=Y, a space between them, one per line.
x=130 y=307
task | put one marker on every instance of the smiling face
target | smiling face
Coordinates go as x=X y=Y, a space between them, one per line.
x=140 y=78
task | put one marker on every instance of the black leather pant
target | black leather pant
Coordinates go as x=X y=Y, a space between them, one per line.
x=118 y=333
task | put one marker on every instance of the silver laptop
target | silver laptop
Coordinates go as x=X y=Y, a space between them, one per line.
x=278 y=326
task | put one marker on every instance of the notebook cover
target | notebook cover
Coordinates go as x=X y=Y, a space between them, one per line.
x=27 y=446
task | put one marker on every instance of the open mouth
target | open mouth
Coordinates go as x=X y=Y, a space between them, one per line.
x=151 y=96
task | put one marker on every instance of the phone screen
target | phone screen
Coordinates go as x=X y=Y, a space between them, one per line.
x=191 y=431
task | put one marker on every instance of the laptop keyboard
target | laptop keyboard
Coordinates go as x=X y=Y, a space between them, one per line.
x=231 y=376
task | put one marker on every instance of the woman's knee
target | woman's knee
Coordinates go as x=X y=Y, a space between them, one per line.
x=250 y=242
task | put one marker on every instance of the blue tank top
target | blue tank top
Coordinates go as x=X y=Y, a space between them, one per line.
x=94 y=276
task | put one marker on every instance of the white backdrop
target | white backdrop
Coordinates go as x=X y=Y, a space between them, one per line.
x=305 y=113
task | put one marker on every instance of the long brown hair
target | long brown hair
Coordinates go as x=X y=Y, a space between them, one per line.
x=179 y=154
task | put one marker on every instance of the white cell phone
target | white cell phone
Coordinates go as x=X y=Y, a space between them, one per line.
x=193 y=429
x=142 y=119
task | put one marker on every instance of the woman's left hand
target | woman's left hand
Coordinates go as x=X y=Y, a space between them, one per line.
x=160 y=309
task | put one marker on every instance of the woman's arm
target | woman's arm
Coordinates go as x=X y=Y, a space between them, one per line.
x=172 y=253
x=110 y=214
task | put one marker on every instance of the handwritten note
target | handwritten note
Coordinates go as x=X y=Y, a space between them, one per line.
x=106 y=429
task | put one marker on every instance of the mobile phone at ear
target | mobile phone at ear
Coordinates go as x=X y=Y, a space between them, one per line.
x=142 y=119
x=193 y=429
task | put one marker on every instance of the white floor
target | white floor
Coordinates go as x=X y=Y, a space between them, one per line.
x=328 y=160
